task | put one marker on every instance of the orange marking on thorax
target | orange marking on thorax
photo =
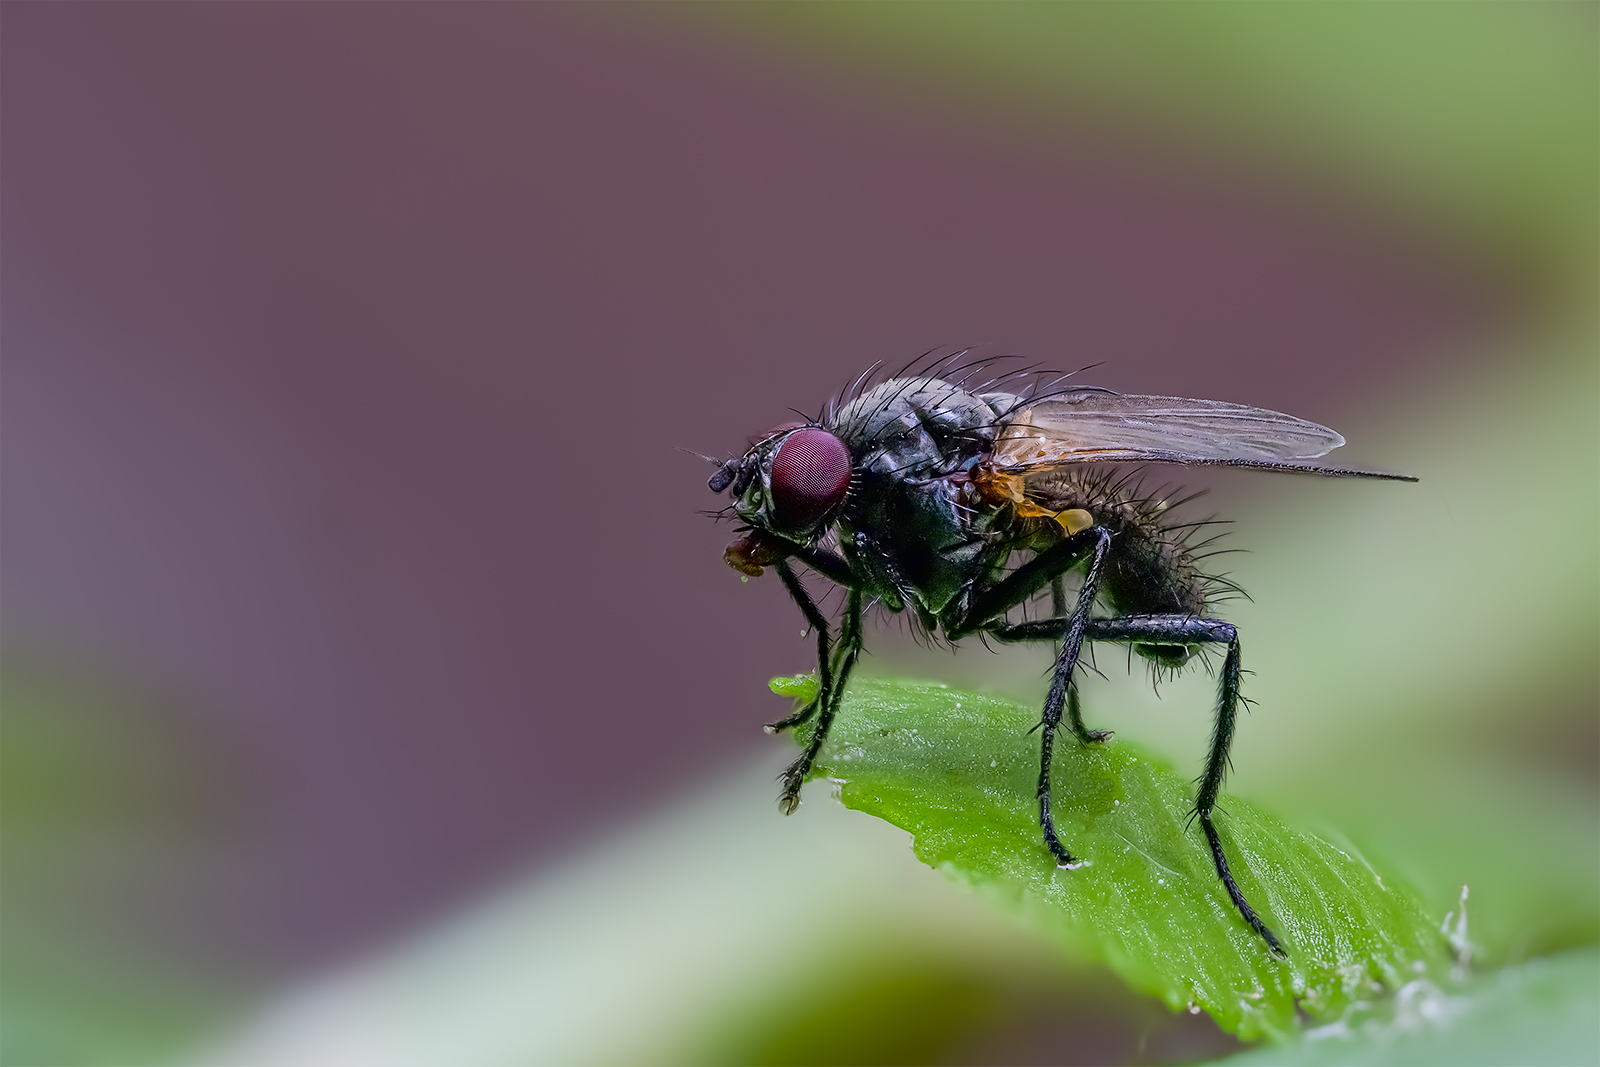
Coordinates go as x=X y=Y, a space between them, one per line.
x=1008 y=488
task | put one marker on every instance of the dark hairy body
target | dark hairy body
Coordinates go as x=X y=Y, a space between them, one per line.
x=920 y=496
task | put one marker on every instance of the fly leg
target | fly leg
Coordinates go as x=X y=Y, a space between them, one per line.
x=1187 y=630
x=1050 y=630
x=1075 y=720
x=1061 y=685
x=833 y=666
x=814 y=619
x=991 y=604
x=835 y=569
x=1058 y=605
x=826 y=704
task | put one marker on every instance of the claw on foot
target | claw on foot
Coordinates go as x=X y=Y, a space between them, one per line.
x=788 y=721
x=792 y=778
x=1064 y=859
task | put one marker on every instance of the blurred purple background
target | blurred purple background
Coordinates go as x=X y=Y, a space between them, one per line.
x=349 y=349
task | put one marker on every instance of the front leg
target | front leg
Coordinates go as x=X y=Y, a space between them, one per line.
x=826 y=704
x=814 y=619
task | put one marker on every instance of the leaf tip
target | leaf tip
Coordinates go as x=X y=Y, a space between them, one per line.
x=797 y=687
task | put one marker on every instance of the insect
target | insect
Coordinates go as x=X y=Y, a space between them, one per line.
x=959 y=504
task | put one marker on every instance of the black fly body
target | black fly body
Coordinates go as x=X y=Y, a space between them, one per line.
x=956 y=504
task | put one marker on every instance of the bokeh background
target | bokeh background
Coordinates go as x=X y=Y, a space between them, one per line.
x=374 y=689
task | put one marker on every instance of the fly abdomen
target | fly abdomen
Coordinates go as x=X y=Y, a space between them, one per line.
x=1149 y=574
x=1150 y=568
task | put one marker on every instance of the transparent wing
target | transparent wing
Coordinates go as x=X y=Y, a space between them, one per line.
x=1087 y=427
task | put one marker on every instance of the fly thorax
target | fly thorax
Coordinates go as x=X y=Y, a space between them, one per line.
x=1148 y=572
x=913 y=443
x=918 y=418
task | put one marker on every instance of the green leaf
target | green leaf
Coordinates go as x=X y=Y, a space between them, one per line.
x=958 y=771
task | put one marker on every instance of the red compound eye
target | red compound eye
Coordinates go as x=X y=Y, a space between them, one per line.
x=810 y=474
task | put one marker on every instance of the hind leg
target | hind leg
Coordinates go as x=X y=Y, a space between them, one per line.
x=1187 y=630
x=1181 y=630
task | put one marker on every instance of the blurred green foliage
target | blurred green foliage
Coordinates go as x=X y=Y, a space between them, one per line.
x=1480 y=119
x=925 y=1002
x=110 y=798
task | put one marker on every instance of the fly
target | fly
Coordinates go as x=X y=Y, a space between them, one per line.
x=960 y=503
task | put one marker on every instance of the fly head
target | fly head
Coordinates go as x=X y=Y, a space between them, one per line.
x=784 y=489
